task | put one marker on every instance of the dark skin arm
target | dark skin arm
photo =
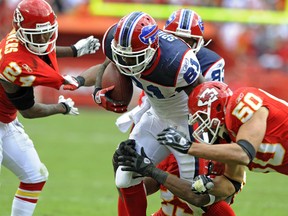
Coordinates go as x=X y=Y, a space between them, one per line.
x=38 y=110
x=253 y=131
x=93 y=75
x=64 y=51
x=182 y=189
x=151 y=185
x=222 y=189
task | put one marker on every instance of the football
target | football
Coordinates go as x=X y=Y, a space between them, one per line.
x=123 y=88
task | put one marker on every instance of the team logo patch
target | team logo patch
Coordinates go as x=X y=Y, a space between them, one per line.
x=148 y=34
x=208 y=96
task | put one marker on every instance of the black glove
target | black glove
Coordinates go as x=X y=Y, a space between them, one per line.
x=120 y=151
x=175 y=139
x=202 y=184
x=132 y=161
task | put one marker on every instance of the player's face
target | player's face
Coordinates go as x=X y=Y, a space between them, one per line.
x=130 y=61
x=40 y=38
x=192 y=42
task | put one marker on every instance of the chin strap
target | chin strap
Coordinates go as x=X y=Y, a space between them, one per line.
x=207 y=43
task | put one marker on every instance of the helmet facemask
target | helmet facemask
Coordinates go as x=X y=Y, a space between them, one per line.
x=206 y=128
x=135 y=43
x=131 y=63
x=207 y=107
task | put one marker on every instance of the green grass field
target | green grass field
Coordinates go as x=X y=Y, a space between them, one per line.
x=77 y=152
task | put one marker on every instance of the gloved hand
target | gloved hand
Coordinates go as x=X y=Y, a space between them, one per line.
x=100 y=97
x=72 y=83
x=141 y=164
x=175 y=139
x=120 y=151
x=202 y=184
x=69 y=105
x=85 y=46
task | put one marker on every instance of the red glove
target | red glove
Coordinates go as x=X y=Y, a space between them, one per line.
x=100 y=97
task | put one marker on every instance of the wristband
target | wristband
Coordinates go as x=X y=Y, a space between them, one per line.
x=74 y=50
x=66 y=107
x=159 y=175
x=212 y=200
x=80 y=80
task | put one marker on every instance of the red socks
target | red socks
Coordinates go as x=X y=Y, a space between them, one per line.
x=134 y=199
x=220 y=208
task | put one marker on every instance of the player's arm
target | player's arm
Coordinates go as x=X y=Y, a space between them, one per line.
x=90 y=77
x=151 y=185
x=243 y=151
x=23 y=99
x=230 y=182
x=84 y=46
x=132 y=161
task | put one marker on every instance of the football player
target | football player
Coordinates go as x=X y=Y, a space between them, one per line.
x=187 y=25
x=28 y=59
x=166 y=68
x=255 y=120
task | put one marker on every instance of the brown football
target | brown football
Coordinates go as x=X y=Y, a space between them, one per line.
x=123 y=88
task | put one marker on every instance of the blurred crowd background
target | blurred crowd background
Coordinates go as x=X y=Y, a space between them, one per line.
x=255 y=54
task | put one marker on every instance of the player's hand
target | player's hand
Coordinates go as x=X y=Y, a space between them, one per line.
x=85 y=46
x=141 y=164
x=72 y=83
x=175 y=139
x=100 y=97
x=121 y=151
x=69 y=105
x=202 y=184
x=132 y=161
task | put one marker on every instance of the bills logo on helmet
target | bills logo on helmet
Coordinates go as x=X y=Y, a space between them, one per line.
x=170 y=19
x=148 y=34
x=201 y=25
x=208 y=96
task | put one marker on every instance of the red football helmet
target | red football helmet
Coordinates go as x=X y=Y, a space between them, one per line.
x=36 y=26
x=135 y=43
x=207 y=105
x=186 y=24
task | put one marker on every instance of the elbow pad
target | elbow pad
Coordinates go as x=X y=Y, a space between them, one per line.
x=248 y=148
x=22 y=99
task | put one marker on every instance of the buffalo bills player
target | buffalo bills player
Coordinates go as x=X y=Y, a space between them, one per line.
x=165 y=68
x=28 y=59
x=255 y=120
x=187 y=25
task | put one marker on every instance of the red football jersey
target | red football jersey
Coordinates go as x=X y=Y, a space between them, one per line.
x=19 y=66
x=272 y=156
x=171 y=205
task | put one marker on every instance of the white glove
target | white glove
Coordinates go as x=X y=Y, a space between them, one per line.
x=69 y=105
x=85 y=46
x=202 y=184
